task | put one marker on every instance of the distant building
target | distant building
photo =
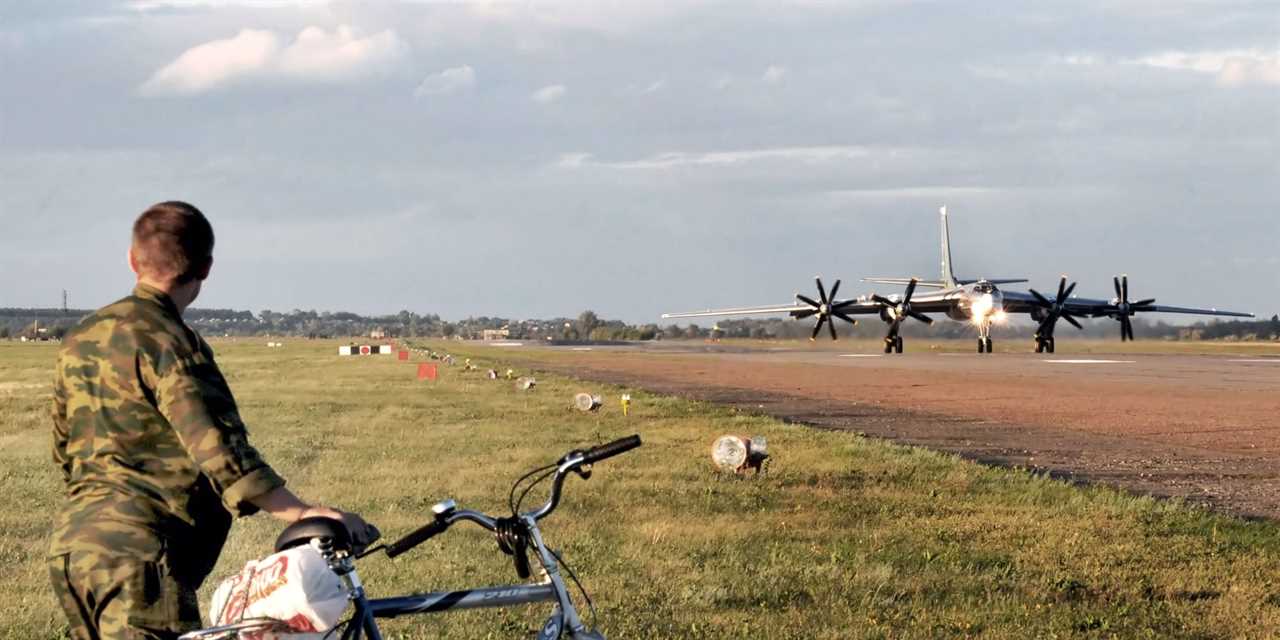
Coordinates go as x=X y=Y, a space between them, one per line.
x=378 y=334
x=495 y=334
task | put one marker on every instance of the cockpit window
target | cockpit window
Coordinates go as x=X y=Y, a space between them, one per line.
x=983 y=287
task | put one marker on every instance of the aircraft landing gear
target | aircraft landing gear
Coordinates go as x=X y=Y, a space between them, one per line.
x=893 y=344
x=1044 y=345
x=984 y=338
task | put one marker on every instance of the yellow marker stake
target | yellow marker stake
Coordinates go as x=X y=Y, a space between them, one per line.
x=626 y=403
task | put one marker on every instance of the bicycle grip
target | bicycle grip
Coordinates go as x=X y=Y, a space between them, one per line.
x=417 y=537
x=609 y=450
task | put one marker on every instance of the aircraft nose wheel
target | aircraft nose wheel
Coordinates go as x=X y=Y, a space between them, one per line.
x=984 y=345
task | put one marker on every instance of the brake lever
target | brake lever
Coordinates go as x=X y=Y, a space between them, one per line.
x=583 y=470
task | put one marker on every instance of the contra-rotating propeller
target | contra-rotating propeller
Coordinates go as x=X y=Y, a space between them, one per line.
x=826 y=308
x=1056 y=309
x=896 y=312
x=1121 y=309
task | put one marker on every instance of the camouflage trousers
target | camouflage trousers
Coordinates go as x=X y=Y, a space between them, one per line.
x=109 y=597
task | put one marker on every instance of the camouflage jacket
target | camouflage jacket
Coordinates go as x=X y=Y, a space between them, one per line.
x=148 y=438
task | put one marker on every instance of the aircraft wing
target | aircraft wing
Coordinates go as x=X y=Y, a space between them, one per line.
x=932 y=284
x=1019 y=302
x=853 y=307
x=1158 y=308
x=740 y=311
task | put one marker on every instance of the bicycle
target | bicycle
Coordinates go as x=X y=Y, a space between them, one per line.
x=515 y=535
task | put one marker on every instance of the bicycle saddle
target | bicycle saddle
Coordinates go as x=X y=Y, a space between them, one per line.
x=302 y=531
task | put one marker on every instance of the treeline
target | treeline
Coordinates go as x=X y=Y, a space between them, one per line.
x=587 y=326
x=53 y=324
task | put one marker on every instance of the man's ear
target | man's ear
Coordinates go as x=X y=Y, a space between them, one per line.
x=133 y=262
x=204 y=273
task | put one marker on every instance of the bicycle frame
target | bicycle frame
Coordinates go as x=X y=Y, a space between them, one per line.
x=564 y=619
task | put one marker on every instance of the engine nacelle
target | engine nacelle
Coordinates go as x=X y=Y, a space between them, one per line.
x=958 y=313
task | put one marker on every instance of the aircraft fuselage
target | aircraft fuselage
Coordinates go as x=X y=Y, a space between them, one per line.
x=980 y=302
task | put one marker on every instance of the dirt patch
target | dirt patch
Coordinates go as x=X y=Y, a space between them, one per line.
x=1168 y=437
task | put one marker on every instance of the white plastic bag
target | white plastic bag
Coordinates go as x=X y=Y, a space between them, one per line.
x=295 y=587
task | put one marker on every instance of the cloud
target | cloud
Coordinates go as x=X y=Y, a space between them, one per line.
x=774 y=74
x=939 y=193
x=315 y=55
x=1242 y=71
x=549 y=94
x=154 y=5
x=654 y=86
x=1232 y=68
x=215 y=63
x=573 y=160
x=678 y=159
x=318 y=54
x=1081 y=59
x=449 y=81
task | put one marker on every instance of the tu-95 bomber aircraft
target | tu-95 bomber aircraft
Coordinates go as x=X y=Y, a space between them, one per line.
x=980 y=302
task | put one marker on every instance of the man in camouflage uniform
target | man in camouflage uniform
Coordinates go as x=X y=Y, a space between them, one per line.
x=155 y=456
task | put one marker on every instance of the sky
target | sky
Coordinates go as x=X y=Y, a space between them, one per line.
x=529 y=159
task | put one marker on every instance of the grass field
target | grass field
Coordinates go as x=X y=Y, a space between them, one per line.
x=845 y=537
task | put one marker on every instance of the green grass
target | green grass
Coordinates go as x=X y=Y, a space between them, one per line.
x=845 y=537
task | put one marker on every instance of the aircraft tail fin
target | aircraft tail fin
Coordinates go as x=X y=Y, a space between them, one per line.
x=948 y=276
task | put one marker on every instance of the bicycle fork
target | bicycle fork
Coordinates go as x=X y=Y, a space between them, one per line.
x=565 y=617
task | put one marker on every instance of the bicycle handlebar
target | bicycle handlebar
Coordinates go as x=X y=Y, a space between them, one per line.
x=571 y=462
x=417 y=537
x=605 y=451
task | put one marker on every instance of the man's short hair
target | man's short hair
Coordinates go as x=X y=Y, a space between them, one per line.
x=173 y=242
